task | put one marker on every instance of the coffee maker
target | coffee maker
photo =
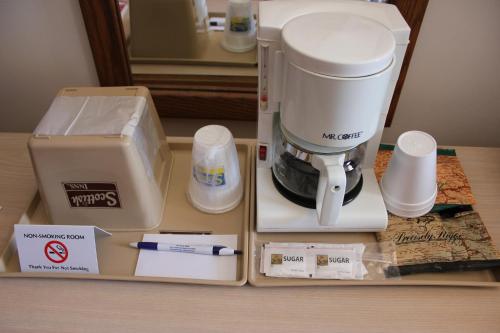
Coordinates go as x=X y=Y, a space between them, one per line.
x=327 y=73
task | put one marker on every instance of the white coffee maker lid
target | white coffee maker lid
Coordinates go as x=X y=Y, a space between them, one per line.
x=338 y=44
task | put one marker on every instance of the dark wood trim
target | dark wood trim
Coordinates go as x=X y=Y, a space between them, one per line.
x=199 y=96
x=198 y=82
x=105 y=32
x=208 y=105
x=413 y=12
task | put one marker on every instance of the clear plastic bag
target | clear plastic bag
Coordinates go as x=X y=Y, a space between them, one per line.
x=357 y=261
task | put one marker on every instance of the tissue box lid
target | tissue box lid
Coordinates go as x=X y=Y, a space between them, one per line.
x=92 y=115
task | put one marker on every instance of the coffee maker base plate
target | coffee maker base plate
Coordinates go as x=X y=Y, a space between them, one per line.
x=275 y=213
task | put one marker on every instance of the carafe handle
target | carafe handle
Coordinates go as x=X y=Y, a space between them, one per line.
x=331 y=187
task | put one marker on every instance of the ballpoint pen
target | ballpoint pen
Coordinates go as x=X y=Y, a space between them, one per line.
x=216 y=250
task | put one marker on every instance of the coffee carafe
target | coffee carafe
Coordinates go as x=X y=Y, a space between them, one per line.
x=306 y=178
x=327 y=71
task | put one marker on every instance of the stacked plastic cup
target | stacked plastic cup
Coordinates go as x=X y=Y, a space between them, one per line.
x=409 y=183
x=239 y=30
x=215 y=184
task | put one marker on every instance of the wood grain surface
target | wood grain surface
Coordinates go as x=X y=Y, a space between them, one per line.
x=45 y=305
x=107 y=41
x=192 y=96
x=413 y=12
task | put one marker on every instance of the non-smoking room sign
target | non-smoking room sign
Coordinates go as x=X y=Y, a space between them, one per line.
x=58 y=249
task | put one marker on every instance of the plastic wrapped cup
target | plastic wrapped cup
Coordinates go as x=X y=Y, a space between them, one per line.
x=215 y=183
x=239 y=30
x=409 y=183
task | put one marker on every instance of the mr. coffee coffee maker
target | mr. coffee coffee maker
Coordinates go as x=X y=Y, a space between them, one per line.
x=327 y=72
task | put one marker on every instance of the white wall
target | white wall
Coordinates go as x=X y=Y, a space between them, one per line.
x=452 y=89
x=44 y=48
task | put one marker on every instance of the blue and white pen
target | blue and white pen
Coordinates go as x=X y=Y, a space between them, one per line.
x=215 y=250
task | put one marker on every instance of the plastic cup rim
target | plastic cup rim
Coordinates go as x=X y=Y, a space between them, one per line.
x=234 y=48
x=219 y=210
x=390 y=200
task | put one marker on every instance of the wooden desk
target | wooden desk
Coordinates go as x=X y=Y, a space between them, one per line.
x=53 y=305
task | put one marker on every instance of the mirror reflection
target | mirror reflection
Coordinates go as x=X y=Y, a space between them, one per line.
x=190 y=32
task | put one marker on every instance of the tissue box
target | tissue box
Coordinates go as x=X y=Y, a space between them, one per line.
x=101 y=158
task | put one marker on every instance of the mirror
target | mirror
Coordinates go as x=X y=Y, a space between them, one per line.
x=201 y=85
x=184 y=32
